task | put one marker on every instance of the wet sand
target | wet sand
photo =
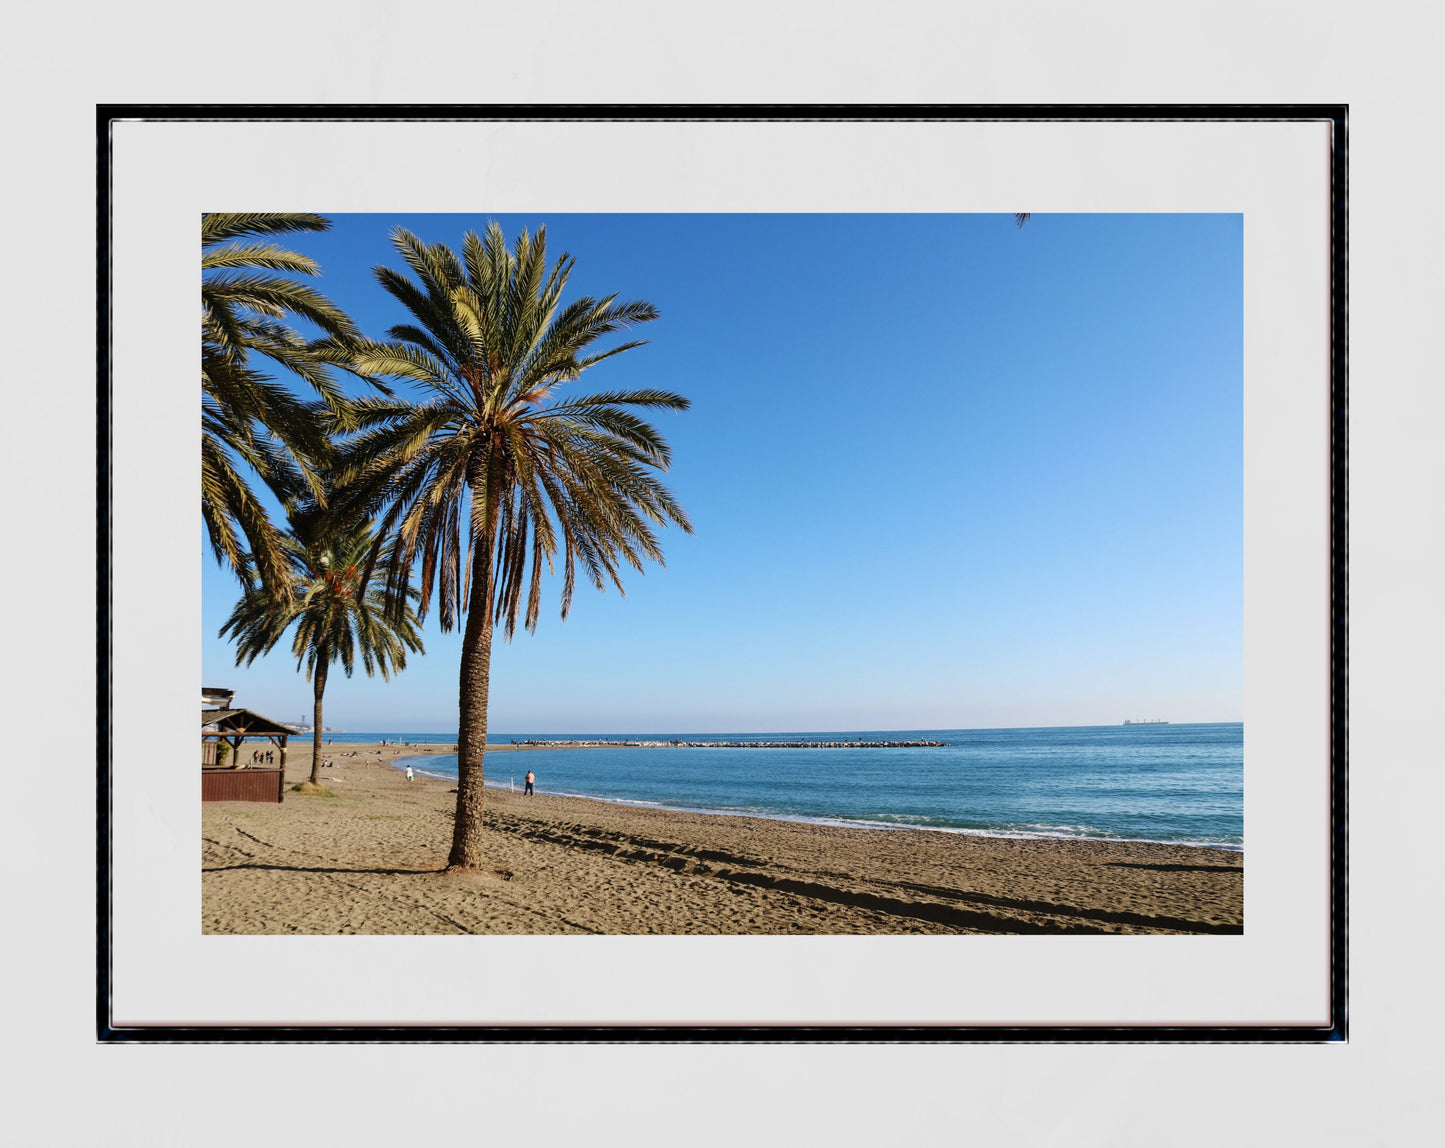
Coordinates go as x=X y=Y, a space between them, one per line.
x=370 y=860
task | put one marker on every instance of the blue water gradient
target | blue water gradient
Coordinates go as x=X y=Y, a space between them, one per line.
x=1174 y=783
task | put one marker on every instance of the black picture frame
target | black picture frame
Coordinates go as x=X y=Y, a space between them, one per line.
x=1335 y=1030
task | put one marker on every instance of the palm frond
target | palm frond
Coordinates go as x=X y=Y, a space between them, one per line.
x=250 y=422
x=217 y=226
x=266 y=255
x=493 y=483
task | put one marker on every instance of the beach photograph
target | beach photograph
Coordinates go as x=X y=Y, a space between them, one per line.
x=806 y=574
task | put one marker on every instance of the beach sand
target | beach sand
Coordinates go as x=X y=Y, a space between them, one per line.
x=370 y=860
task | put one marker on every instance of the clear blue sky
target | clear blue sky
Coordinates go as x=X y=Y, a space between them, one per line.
x=944 y=473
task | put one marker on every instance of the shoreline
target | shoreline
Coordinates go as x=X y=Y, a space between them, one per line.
x=371 y=860
x=835 y=822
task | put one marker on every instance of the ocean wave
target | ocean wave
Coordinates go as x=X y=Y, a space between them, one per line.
x=1030 y=785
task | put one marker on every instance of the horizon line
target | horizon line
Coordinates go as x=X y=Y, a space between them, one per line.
x=840 y=729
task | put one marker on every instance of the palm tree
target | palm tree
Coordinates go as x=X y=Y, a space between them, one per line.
x=493 y=469
x=247 y=419
x=336 y=617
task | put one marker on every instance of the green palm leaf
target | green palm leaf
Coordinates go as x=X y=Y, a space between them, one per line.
x=251 y=423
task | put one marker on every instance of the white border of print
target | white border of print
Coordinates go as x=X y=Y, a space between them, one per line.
x=1276 y=174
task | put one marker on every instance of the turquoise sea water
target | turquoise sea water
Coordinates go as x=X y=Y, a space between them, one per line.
x=1175 y=783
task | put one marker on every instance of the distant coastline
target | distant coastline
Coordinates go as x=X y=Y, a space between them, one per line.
x=505 y=739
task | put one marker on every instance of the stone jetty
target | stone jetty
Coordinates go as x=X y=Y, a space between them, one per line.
x=603 y=743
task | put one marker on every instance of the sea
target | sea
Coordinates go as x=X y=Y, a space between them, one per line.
x=1175 y=783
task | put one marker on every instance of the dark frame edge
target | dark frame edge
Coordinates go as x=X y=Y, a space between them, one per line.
x=104 y=115
x=1339 y=575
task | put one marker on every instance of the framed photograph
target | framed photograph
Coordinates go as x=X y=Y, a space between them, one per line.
x=994 y=686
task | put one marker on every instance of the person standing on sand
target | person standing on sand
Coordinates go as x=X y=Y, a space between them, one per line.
x=408 y=773
x=531 y=777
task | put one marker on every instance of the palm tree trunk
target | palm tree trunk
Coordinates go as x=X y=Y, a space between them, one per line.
x=472 y=735
x=319 y=688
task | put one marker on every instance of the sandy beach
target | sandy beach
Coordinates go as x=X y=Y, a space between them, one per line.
x=370 y=860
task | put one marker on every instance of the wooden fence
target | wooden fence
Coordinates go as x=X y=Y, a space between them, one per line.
x=241 y=785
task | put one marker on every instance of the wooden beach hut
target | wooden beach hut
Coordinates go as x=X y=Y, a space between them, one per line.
x=237 y=779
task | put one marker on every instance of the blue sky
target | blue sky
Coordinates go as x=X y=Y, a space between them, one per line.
x=944 y=473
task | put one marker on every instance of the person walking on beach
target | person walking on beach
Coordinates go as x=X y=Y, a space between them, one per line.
x=531 y=777
x=408 y=773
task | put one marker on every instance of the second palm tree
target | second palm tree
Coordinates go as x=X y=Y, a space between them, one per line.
x=337 y=619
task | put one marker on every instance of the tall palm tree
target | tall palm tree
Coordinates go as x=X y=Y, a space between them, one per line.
x=335 y=616
x=248 y=419
x=494 y=468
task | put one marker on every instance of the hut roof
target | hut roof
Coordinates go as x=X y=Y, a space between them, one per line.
x=242 y=722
